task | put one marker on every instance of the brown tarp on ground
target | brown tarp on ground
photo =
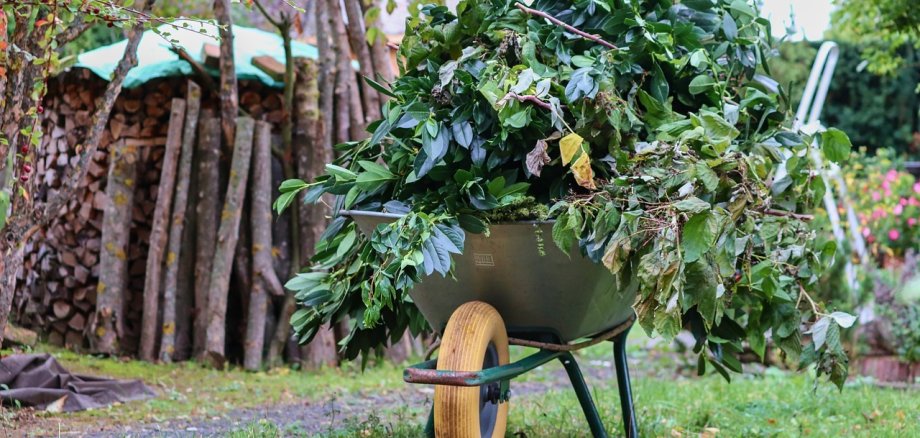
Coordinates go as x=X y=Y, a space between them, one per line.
x=38 y=380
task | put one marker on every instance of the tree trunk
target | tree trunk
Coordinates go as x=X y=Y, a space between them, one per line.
x=158 y=232
x=226 y=243
x=311 y=158
x=208 y=216
x=229 y=101
x=113 y=261
x=357 y=35
x=380 y=52
x=263 y=274
x=242 y=256
x=327 y=74
x=344 y=78
x=168 y=342
x=356 y=118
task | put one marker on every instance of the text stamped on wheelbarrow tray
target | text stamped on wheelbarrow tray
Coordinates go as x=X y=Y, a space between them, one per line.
x=483 y=260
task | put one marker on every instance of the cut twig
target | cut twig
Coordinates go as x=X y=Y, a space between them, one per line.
x=560 y=23
x=781 y=213
x=528 y=98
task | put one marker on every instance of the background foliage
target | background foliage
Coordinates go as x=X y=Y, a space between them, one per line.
x=875 y=110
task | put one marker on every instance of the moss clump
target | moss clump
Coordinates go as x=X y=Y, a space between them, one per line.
x=521 y=209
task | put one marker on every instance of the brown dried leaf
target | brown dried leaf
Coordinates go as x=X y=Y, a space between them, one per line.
x=537 y=158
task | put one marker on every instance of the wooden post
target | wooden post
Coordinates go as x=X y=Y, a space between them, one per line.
x=171 y=282
x=158 y=232
x=345 y=113
x=311 y=158
x=326 y=75
x=263 y=273
x=357 y=35
x=383 y=64
x=208 y=197
x=108 y=326
x=226 y=243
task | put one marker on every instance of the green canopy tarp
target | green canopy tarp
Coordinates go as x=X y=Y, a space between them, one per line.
x=156 y=60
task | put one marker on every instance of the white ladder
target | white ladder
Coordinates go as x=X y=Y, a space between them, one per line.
x=819 y=80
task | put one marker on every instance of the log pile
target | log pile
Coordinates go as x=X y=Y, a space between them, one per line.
x=143 y=261
x=57 y=290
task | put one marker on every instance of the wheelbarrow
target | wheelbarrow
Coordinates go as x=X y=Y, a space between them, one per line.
x=514 y=287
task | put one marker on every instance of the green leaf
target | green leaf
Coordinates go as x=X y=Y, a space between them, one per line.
x=472 y=224
x=843 y=319
x=373 y=176
x=699 y=235
x=692 y=205
x=282 y=203
x=701 y=84
x=729 y=27
x=563 y=235
x=379 y=87
x=742 y=7
x=4 y=206
x=659 y=85
x=292 y=185
x=706 y=175
x=340 y=173
x=836 y=145
x=819 y=331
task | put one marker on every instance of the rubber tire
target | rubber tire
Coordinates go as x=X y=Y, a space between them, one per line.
x=470 y=330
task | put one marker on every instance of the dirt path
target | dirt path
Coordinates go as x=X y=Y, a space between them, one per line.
x=410 y=403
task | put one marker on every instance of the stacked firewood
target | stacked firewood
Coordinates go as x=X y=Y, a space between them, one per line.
x=166 y=250
x=58 y=285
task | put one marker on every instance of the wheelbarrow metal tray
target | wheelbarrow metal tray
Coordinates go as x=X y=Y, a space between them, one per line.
x=517 y=269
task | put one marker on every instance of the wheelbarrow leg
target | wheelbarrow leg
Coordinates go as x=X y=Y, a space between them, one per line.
x=429 y=425
x=584 y=395
x=626 y=400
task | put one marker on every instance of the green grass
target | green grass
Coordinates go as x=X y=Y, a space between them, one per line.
x=669 y=400
x=776 y=404
x=188 y=390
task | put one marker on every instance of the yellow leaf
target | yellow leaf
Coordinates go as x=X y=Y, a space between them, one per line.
x=569 y=145
x=584 y=175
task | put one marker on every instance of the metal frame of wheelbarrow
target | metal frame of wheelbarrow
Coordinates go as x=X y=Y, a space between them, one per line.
x=426 y=373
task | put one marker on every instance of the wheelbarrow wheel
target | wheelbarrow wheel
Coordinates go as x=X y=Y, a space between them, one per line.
x=475 y=339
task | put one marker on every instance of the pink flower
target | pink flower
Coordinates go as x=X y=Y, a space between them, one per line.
x=886 y=185
x=917 y=187
x=911 y=221
x=866 y=232
x=903 y=201
x=913 y=202
x=894 y=234
x=876 y=196
x=898 y=209
x=892 y=175
x=887 y=192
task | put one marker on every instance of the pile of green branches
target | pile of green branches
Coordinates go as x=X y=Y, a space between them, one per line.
x=642 y=125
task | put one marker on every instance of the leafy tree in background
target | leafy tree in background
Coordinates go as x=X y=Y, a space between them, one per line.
x=890 y=25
